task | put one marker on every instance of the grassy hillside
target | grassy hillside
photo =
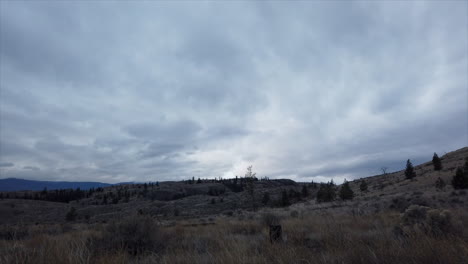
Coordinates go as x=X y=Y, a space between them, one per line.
x=397 y=220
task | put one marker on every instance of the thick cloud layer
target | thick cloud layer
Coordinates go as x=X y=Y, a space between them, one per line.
x=145 y=91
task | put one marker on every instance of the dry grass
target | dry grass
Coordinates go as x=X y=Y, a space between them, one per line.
x=313 y=238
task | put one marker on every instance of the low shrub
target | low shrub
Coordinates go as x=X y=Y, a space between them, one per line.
x=433 y=222
x=399 y=203
x=439 y=222
x=136 y=234
x=269 y=219
x=294 y=214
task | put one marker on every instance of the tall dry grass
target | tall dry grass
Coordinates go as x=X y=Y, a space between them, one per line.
x=310 y=238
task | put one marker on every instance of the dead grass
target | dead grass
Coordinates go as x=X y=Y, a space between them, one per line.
x=311 y=238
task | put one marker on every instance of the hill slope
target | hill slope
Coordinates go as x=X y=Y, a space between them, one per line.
x=13 y=184
x=185 y=200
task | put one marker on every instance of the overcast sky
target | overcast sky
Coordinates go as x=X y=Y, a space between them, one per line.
x=153 y=91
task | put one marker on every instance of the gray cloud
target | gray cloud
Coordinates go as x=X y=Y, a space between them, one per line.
x=164 y=131
x=164 y=91
x=157 y=150
x=31 y=168
x=7 y=164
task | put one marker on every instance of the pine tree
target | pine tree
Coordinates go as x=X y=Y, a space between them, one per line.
x=321 y=193
x=409 y=172
x=304 y=191
x=71 y=215
x=363 y=186
x=436 y=162
x=44 y=192
x=313 y=185
x=266 y=198
x=460 y=180
x=345 y=192
x=327 y=192
x=284 y=198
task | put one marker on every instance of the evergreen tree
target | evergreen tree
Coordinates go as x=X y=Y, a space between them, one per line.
x=127 y=196
x=326 y=192
x=71 y=215
x=436 y=162
x=305 y=191
x=363 y=186
x=313 y=185
x=266 y=198
x=345 y=192
x=460 y=180
x=44 y=192
x=284 y=198
x=199 y=181
x=409 y=172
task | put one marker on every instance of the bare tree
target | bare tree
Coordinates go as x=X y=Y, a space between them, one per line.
x=384 y=170
x=250 y=177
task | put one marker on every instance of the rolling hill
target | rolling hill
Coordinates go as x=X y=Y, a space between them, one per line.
x=14 y=184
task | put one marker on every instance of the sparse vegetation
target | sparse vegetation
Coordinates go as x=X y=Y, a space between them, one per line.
x=211 y=222
x=141 y=240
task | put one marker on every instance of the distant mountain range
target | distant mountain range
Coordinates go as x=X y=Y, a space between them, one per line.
x=13 y=184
